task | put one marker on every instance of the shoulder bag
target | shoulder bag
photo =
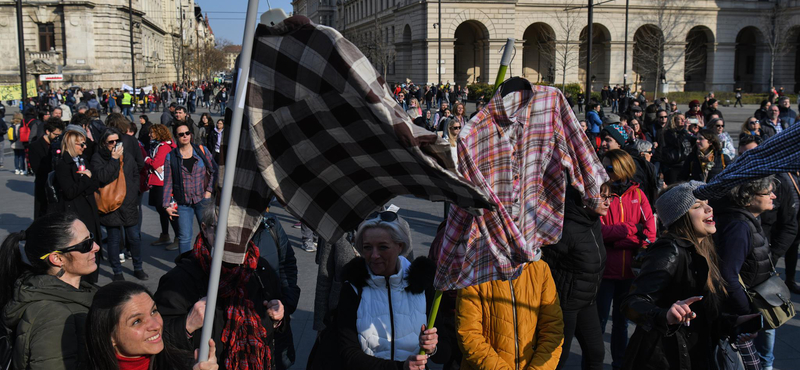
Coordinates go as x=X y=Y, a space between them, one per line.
x=110 y=197
x=772 y=299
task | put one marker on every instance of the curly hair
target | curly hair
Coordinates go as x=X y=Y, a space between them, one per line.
x=160 y=132
x=744 y=194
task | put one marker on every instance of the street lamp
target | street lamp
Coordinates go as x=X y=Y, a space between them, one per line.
x=439 y=59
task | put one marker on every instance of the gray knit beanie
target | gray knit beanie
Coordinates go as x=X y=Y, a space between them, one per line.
x=76 y=128
x=675 y=202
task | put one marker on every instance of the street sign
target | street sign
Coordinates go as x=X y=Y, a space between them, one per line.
x=55 y=77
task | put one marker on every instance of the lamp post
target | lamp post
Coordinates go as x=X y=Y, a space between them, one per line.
x=589 y=37
x=133 y=56
x=439 y=61
x=23 y=72
x=625 y=59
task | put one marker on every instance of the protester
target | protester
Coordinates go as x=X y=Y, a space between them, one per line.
x=627 y=226
x=706 y=159
x=725 y=140
x=190 y=175
x=18 y=146
x=41 y=158
x=125 y=331
x=161 y=145
x=694 y=113
x=169 y=115
x=593 y=119
x=248 y=311
x=744 y=252
x=215 y=138
x=677 y=297
x=144 y=132
x=787 y=116
x=772 y=124
x=751 y=127
x=371 y=331
x=761 y=112
x=638 y=132
x=674 y=146
x=43 y=298
x=576 y=263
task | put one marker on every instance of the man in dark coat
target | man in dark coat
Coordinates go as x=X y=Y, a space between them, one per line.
x=168 y=115
x=41 y=163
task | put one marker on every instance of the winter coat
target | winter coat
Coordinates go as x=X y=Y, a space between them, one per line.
x=48 y=319
x=693 y=170
x=106 y=169
x=673 y=147
x=628 y=226
x=787 y=115
x=743 y=251
x=153 y=163
x=768 y=128
x=331 y=260
x=595 y=124
x=379 y=318
x=726 y=142
x=180 y=288
x=780 y=224
x=279 y=254
x=76 y=193
x=16 y=144
x=512 y=324
x=578 y=260
x=672 y=270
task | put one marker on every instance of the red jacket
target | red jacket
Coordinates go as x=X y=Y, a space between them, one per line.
x=620 y=232
x=162 y=149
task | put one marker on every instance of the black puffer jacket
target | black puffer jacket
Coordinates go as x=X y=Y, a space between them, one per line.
x=673 y=270
x=106 y=169
x=673 y=147
x=578 y=260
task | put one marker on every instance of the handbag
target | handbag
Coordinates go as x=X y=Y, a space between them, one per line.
x=772 y=299
x=110 y=197
x=726 y=357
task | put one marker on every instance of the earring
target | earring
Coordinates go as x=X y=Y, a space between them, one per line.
x=60 y=273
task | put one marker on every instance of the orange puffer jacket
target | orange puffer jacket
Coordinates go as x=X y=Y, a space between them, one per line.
x=492 y=315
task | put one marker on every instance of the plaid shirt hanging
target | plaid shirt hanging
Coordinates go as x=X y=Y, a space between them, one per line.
x=322 y=131
x=523 y=149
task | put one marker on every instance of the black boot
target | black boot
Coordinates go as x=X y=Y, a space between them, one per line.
x=793 y=287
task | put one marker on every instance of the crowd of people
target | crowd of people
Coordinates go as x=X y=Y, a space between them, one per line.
x=682 y=269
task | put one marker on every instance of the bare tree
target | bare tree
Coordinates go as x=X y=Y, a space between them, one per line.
x=776 y=24
x=380 y=48
x=659 y=46
x=204 y=60
x=566 y=52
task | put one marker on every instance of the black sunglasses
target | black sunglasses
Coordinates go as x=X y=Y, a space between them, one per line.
x=83 y=247
x=752 y=122
x=385 y=216
x=455 y=128
x=719 y=125
x=112 y=142
x=83 y=144
x=182 y=134
x=610 y=168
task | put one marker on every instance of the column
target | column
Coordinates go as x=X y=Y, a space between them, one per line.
x=675 y=65
x=721 y=58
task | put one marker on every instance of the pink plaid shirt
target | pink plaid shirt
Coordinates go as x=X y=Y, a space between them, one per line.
x=522 y=150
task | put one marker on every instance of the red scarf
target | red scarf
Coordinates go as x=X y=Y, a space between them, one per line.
x=136 y=363
x=243 y=334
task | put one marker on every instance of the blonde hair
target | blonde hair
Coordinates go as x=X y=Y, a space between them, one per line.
x=69 y=141
x=673 y=121
x=17 y=118
x=622 y=162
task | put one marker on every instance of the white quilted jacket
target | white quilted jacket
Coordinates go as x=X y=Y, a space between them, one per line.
x=378 y=324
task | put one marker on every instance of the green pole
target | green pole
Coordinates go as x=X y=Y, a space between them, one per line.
x=437 y=298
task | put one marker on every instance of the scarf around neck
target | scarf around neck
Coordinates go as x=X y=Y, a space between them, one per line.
x=243 y=335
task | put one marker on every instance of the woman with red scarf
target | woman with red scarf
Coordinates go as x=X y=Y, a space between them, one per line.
x=249 y=310
x=695 y=112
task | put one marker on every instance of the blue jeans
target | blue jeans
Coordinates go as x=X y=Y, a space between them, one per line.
x=614 y=291
x=126 y=111
x=765 y=344
x=222 y=108
x=134 y=242
x=614 y=106
x=185 y=223
x=19 y=159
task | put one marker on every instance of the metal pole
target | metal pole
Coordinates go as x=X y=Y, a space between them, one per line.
x=133 y=56
x=625 y=59
x=589 y=37
x=227 y=182
x=183 y=62
x=23 y=72
x=439 y=61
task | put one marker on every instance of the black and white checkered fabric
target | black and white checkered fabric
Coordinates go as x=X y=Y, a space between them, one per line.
x=322 y=132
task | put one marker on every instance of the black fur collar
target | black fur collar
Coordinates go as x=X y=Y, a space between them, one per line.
x=420 y=275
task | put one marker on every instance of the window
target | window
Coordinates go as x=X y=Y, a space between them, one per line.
x=47 y=37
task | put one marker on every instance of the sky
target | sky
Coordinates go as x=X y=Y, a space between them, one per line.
x=227 y=16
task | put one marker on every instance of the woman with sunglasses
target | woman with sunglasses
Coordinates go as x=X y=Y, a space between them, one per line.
x=383 y=304
x=44 y=299
x=453 y=129
x=76 y=183
x=674 y=146
x=189 y=177
x=638 y=132
x=725 y=140
x=628 y=226
x=125 y=332
x=750 y=127
x=107 y=162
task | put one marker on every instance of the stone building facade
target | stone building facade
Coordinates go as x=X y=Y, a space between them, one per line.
x=699 y=45
x=88 y=42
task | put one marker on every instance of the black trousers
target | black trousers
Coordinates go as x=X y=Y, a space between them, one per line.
x=584 y=325
x=790 y=259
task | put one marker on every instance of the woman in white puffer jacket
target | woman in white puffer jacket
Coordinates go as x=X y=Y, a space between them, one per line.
x=384 y=301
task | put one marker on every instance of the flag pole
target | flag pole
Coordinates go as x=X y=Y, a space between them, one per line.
x=505 y=61
x=227 y=181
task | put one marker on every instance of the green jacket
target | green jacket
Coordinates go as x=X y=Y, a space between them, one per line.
x=48 y=318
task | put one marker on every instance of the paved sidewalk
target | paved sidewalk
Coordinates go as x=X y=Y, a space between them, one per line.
x=16 y=213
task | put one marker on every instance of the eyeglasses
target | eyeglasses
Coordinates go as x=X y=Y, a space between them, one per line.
x=455 y=128
x=606 y=198
x=184 y=134
x=83 y=144
x=663 y=117
x=752 y=122
x=385 y=216
x=765 y=194
x=719 y=126
x=112 y=142
x=83 y=247
x=648 y=152
x=610 y=168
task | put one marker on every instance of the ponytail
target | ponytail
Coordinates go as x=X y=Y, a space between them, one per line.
x=20 y=251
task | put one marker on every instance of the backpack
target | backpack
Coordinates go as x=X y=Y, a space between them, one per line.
x=25 y=130
x=11 y=136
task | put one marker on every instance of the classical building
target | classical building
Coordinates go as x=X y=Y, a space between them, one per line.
x=675 y=44
x=88 y=42
x=231 y=53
